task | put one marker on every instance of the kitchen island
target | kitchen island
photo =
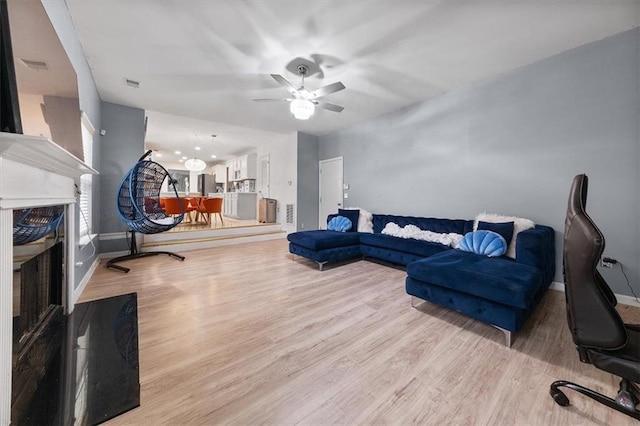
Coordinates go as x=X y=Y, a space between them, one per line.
x=239 y=205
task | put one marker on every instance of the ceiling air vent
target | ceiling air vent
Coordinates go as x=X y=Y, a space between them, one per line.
x=132 y=83
x=35 y=65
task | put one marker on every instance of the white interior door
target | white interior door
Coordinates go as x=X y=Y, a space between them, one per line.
x=331 y=195
x=264 y=176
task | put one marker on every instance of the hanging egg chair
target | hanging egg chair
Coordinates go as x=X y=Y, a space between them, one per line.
x=32 y=224
x=139 y=208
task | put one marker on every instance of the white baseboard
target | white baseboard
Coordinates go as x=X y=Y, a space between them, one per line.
x=112 y=254
x=112 y=236
x=622 y=298
x=85 y=280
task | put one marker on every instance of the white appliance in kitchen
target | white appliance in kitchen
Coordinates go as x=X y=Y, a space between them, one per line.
x=248 y=185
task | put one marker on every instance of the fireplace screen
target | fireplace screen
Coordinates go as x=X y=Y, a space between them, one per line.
x=37 y=321
x=40 y=288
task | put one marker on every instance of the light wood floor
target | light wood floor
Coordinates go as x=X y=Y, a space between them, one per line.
x=244 y=335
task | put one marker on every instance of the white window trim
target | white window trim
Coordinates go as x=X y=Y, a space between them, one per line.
x=86 y=185
x=85 y=240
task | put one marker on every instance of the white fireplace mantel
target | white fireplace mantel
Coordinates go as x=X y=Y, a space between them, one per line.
x=34 y=172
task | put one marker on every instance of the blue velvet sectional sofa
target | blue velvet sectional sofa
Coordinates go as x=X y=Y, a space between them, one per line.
x=499 y=291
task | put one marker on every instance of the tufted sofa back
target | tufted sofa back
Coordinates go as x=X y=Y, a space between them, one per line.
x=443 y=226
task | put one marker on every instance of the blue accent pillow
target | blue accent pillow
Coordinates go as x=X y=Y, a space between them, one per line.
x=352 y=215
x=505 y=229
x=339 y=223
x=487 y=243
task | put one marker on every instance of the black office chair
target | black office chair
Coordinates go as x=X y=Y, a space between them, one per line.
x=602 y=339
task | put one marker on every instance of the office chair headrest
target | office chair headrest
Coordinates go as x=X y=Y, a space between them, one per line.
x=578 y=198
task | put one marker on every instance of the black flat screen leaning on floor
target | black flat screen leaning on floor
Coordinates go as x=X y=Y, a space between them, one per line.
x=93 y=375
x=9 y=112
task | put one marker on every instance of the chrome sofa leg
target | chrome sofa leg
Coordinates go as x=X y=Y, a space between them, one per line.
x=415 y=302
x=507 y=335
x=320 y=265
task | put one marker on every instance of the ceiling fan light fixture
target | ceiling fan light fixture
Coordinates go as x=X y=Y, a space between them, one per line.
x=302 y=109
x=195 y=164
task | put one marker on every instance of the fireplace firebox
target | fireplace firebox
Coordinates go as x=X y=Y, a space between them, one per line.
x=37 y=325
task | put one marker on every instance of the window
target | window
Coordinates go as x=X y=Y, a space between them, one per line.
x=86 y=182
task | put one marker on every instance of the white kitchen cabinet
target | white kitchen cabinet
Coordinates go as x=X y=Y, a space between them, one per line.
x=234 y=205
x=220 y=170
x=232 y=165
x=240 y=205
x=245 y=167
x=249 y=166
x=226 y=204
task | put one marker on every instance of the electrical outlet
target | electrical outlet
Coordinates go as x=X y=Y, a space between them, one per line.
x=607 y=262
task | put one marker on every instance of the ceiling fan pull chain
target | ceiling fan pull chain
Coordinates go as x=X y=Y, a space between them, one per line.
x=302 y=70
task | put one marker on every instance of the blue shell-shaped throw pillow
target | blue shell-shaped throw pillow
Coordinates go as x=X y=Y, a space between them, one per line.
x=339 y=223
x=487 y=243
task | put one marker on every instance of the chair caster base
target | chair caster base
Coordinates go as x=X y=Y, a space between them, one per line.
x=559 y=397
x=625 y=402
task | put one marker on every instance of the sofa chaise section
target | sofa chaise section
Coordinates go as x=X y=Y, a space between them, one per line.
x=324 y=246
x=502 y=292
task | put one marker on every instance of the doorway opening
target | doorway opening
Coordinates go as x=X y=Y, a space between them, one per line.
x=331 y=189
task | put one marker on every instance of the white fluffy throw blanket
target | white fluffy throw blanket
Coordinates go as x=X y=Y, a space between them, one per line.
x=411 y=231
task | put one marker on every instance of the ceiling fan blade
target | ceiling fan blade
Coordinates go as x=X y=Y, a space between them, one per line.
x=273 y=100
x=325 y=90
x=285 y=83
x=330 y=107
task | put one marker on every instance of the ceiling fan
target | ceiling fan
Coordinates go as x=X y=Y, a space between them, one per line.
x=303 y=101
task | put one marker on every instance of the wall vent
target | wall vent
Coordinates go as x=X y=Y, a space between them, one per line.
x=34 y=64
x=132 y=83
x=290 y=214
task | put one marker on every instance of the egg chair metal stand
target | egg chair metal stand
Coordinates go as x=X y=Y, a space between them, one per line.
x=138 y=205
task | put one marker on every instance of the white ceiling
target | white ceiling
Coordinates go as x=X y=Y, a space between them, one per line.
x=34 y=39
x=171 y=133
x=207 y=60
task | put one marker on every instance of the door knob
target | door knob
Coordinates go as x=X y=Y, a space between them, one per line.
x=339 y=204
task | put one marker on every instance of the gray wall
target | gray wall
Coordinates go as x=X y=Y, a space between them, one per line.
x=307 y=215
x=512 y=145
x=121 y=147
x=90 y=104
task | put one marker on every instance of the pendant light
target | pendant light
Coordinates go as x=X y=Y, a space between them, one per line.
x=195 y=164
